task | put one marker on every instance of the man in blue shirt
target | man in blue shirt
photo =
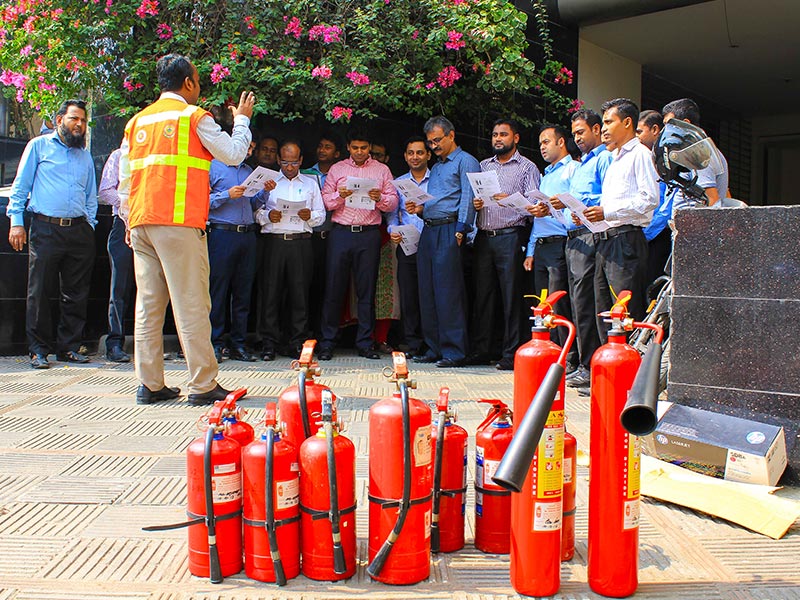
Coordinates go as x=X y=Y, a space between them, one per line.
x=231 y=254
x=416 y=156
x=58 y=173
x=448 y=218
x=545 y=251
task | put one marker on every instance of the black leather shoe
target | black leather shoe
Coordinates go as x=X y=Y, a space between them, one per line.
x=370 y=353
x=218 y=393
x=584 y=391
x=325 y=354
x=449 y=363
x=295 y=351
x=505 y=364
x=218 y=355
x=268 y=355
x=145 y=396
x=117 y=355
x=72 y=356
x=476 y=359
x=582 y=378
x=425 y=358
x=242 y=354
x=39 y=361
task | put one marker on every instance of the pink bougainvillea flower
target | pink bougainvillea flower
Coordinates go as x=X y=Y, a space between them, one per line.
x=293 y=27
x=325 y=33
x=164 y=31
x=322 y=71
x=358 y=78
x=26 y=51
x=259 y=52
x=448 y=76
x=147 y=8
x=340 y=112
x=454 y=41
x=219 y=72
x=576 y=106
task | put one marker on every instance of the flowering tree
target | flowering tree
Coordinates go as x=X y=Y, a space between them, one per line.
x=339 y=58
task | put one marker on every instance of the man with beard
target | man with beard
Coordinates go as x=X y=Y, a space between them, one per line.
x=497 y=256
x=58 y=173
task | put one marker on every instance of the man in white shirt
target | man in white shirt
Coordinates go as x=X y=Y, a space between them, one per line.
x=629 y=197
x=292 y=208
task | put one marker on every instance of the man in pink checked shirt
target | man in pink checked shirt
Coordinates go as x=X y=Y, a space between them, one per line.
x=354 y=242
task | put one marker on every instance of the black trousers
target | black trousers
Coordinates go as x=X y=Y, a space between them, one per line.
x=550 y=273
x=232 y=262
x=658 y=249
x=319 y=245
x=581 y=258
x=359 y=253
x=288 y=269
x=123 y=284
x=497 y=265
x=408 y=282
x=60 y=262
x=621 y=265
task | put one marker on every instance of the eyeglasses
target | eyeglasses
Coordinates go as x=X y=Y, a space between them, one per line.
x=434 y=142
x=290 y=163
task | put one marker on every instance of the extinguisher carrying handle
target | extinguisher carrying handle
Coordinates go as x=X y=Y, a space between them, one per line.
x=301 y=394
x=269 y=509
x=339 y=565
x=498 y=409
x=437 y=477
x=516 y=461
x=214 y=568
x=376 y=566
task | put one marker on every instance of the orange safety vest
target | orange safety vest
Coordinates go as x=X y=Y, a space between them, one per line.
x=169 y=166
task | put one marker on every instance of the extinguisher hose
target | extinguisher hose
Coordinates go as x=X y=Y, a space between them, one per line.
x=339 y=565
x=376 y=566
x=437 y=481
x=269 y=508
x=214 y=568
x=301 y=393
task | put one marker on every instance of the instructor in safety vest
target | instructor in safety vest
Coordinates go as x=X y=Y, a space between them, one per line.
x=164 y=200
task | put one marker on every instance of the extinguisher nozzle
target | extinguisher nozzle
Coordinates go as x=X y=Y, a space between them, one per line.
x=280 y=574
x=640 y=415
x=376 y=566
x=339 y=565
x=434 y=538
x=214 y=569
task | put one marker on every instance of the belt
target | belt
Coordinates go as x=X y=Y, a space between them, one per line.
x=551 y=239
x=496 y=232
x=322 y=234
x=63 y=222
x=236 y=228
x=573 y=233
x=615 y=231
x=442 y=221
x=356 y=228
x=292 y=236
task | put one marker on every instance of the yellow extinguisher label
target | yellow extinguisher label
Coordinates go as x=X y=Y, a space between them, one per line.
x=549 y=462
x=634 y=466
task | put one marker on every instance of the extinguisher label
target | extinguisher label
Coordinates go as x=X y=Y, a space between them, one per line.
x=550 y=457
x=567 y=470
x=422 y=446
x=226 y=488
x=427 y=524
x=287 y=493
x=223 y=469
x=489 y=469
x=547 y=516
x=634 y=466
x=631 y=518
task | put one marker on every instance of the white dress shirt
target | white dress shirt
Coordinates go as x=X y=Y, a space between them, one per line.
x=300 y=189
x=630 y=188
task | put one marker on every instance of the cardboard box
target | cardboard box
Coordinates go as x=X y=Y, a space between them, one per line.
x=719 y=445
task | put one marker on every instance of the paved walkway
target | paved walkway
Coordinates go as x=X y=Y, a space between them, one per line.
x=83 y=468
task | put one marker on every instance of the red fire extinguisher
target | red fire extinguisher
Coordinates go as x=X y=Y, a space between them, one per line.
x=300 y=405
x=533 y=462
x=570 y=492
x=214 y=492
x=400 y=484
x=492 y=502
x=328 y=500
x=449 y=442
x=615 y=467
x=232 y=415
x=271 y=506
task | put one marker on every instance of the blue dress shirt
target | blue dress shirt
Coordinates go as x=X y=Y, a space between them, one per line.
x=555 y=181
x=451 y=190
x=400 y=216
x=60 y=180
x=587 y=181
x=224 y=209
x=662 y=215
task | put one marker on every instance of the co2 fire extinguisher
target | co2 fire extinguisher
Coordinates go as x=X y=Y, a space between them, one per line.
x=492 y=502
x=232 y=415
x=328 y=500
x=449 y=442
x=622 y=392
x=400 y=484
x=271 y=506
x=300 y=405
x=533 y=462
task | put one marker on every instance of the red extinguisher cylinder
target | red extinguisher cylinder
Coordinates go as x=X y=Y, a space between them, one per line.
x=613 y=548
x=271 y=533
x=215 y=548
x=492 y=502
x=570 y=489
x=450 y=498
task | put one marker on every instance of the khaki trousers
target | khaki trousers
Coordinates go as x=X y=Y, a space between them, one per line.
x=171 y=264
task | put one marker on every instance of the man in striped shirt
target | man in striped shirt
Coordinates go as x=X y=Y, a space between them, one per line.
x=354 y=243
x=497 y=257
x=629 y=197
